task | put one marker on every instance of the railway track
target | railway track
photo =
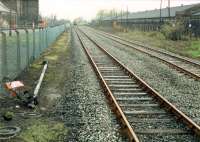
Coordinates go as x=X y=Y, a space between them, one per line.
x=181 y=64
x=143 y=113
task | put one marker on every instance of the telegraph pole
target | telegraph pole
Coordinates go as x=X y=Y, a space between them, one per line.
x=127 y=18
x=169 y=12
x=112 y=17
x=121 y=17
x=160 y=13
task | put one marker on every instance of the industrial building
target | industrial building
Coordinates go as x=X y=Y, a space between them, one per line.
x=7 y=16
x=154 y=19
x=27 y=11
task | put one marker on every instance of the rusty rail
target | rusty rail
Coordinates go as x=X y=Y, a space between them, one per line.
x=115 y=107
x=193 y=75
x=164 y=102
x=145 y=46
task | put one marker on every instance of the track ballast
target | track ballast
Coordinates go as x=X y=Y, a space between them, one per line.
x=144 y=114
x=181 y=64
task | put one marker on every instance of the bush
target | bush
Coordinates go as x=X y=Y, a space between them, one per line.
x=8 y=116
x=172 y=30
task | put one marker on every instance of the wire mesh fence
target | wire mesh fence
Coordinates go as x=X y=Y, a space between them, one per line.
x=22 y=47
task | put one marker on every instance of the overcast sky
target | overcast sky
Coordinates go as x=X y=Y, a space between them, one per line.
x=87 y=9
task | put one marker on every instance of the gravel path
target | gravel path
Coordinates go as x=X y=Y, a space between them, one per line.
x=84 y=109
x=177 y=88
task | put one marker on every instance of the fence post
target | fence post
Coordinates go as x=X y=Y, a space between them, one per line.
x=43 y=40
x=27 y=48
x=39 y=41
x=4 y=62
x=18 y=52
x=46 y=33
x=34 y=50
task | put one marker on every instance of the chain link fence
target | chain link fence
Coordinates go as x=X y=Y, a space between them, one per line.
x=22 y=47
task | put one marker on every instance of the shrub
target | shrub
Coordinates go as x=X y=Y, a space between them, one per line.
x=8 y=115
x=173 y=30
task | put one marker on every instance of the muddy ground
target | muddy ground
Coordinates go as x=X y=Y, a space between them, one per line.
x=43 y=126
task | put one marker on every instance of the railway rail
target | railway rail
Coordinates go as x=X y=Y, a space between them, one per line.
x=181 y=64
x=142 y=112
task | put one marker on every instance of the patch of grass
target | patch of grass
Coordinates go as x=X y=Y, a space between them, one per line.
x=55 y=56
x=35 y=66
x=52 y=57
x=1 y=125
x=190 y=48
x=43 y=131
x=194 y=49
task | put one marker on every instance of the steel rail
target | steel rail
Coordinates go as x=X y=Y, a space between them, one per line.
x=184 y=59
x=193 y=75
x=163 y=102
x=116 y=108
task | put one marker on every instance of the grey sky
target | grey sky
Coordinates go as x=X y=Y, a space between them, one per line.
x=88 y=8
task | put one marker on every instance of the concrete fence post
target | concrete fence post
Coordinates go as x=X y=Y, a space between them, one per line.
x=27 y=49
x=4 y=61
x=34 y=47
x=18 y=52
x=43 y=40
x=40 y=41
x=46 y=37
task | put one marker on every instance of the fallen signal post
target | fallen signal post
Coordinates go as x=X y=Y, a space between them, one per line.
x=17 y=89
x=38 y=86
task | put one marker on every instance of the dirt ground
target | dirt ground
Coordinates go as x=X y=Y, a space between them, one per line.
x=38 y=125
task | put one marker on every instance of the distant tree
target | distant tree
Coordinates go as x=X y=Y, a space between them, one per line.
x=79 y=21
x=53 y=21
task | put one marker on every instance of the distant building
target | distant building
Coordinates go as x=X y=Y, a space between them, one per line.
x=178 y=11
x=7 y=17
x=27 y=11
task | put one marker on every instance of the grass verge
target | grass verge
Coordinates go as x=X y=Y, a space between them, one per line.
x=43 y=131
x=47 y=127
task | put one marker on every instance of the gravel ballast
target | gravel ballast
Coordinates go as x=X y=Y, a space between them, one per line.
x=84 y=108
x=179 y=89
x=162 y=125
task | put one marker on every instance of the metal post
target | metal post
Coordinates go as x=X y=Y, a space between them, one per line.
x=34 y=50
x=127 y=19
x=121 y=17
x=160 y=12
x=111 y=17
x=27 y=48
x=4 y=62
x=37 y=88
x=169 y=12
x=18 y=52
x=190 y=28
x=116 y=17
